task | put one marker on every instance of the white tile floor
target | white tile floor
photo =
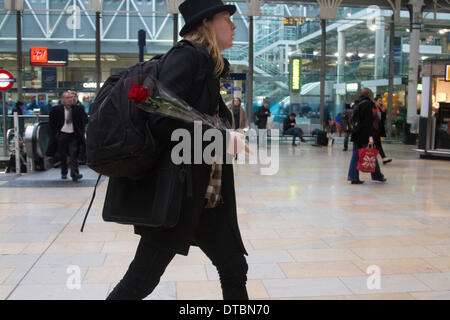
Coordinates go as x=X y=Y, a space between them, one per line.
x=309 y=234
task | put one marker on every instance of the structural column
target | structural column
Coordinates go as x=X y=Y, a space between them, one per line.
x=175 y=28
x=391 y=78
x=444 y=41
x=323 y=70
x=340 y=63
x=250 y=70
x=379 y=48
x=414 y=58
x=19 y=56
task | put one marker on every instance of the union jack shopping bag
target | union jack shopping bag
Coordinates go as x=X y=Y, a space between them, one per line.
x=367 y=159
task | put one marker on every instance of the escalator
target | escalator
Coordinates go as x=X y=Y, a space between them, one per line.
x=37 y=139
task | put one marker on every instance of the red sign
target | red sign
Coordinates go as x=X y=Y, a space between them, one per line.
x=39 y=55
x=6 y=80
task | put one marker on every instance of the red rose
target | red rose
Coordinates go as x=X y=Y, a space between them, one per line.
x=138 y=94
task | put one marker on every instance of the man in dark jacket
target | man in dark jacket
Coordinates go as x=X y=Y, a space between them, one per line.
x=262 y=114
x=290 y=129
x=362 y=135
x=67 y=122
x=261 y=117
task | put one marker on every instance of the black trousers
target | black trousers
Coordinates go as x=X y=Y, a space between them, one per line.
x=213 y=237
x=377 y=142
x=68 y=147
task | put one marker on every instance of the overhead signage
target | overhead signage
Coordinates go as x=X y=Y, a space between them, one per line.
x=6 y=80
x=291 y=21
x=352 y=87
x=91 y=85
x=42 y=56
x=447 y=72
x=294 y=76
x=237 y=76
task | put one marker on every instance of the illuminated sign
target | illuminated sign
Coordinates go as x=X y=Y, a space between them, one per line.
x=290 y=21
x=41 y=56
x=296 y=65
x=91 y=85
x=352 y=87
x=38 y=55
x=447 y=72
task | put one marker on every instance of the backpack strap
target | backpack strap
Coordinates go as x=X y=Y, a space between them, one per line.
x=90 y=204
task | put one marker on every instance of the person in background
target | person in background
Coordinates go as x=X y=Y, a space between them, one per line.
x=363 y=135
x=240 y=120
x=290 y=129
x=379 y=117
x=67 y=122
x=82 y=157
x=261 y=115
x=19 y=109
x=345 y=125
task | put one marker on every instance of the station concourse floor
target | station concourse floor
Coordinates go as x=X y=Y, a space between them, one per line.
x=310 y=234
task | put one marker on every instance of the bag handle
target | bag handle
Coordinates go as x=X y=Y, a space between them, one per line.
x=90 y=204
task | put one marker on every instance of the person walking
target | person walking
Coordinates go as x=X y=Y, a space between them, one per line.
x=207 y=210
x=261 y=115
x=240 y=120
x=362 y=135
x=67 y=122
x=290 y=129
x=379 y=130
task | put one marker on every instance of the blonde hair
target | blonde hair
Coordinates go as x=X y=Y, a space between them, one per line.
x=205 y=36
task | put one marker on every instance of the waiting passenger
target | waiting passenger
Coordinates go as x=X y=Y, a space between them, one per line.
x=290 y=129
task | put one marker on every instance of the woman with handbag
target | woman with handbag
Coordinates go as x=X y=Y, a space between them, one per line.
x=200 y=196
x=362 y=135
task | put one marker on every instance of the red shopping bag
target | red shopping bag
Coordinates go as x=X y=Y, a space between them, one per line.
x=367 y=159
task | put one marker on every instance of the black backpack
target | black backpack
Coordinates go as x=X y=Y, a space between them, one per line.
x=119 y=141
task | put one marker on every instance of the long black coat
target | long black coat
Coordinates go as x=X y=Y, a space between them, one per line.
x=56 y=122
x=365 y=118
x=188 y=72
x=262 y=116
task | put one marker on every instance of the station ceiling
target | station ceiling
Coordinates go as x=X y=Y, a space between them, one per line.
x=443 y=5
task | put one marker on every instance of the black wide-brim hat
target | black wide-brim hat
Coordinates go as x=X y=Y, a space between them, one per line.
x=194 y=11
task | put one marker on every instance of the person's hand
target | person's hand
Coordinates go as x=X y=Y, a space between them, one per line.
x=267 y=112
x=292 y=124
x=371 y=141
